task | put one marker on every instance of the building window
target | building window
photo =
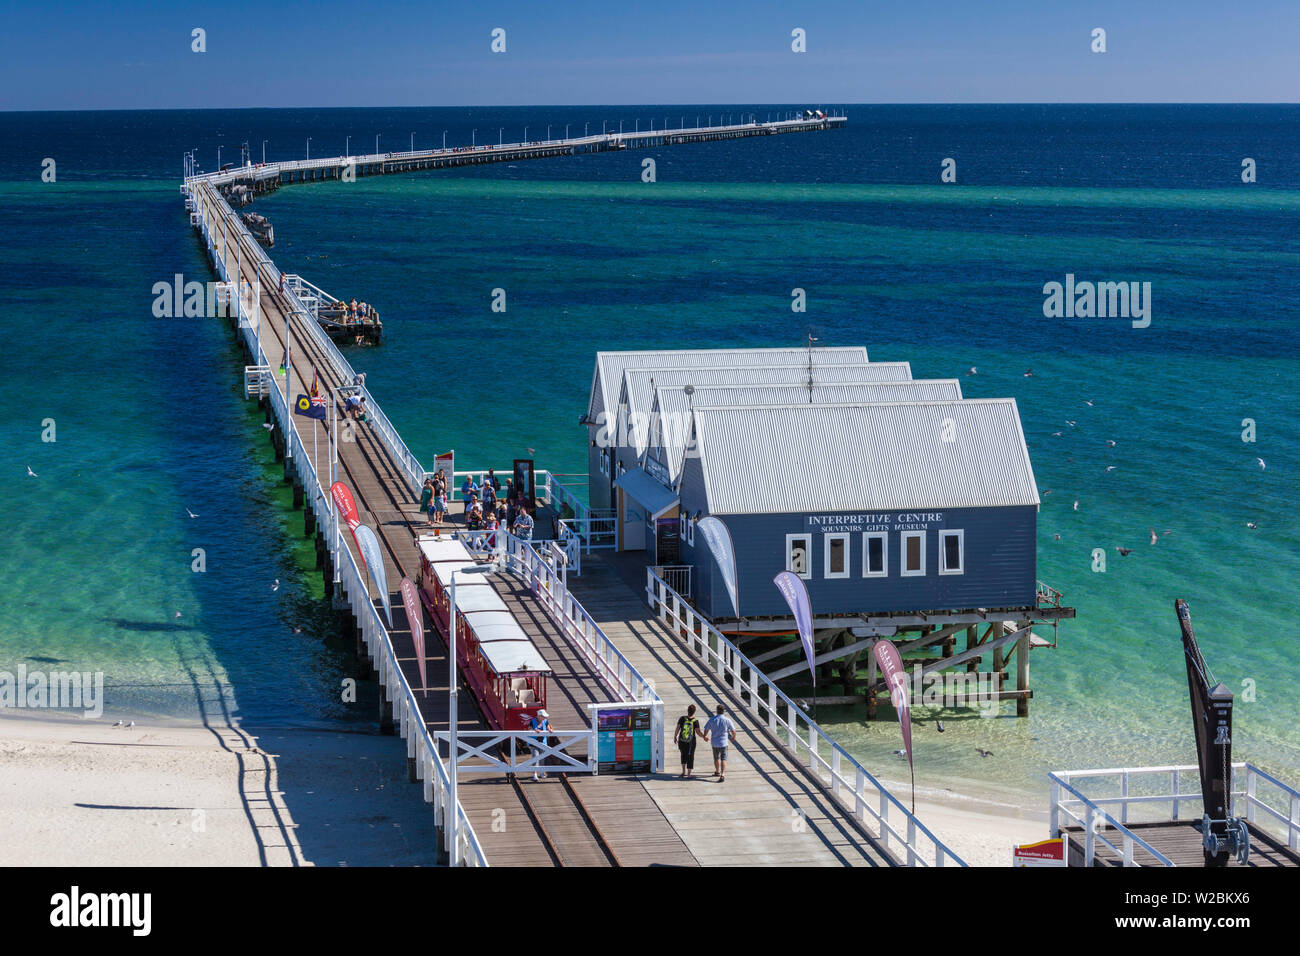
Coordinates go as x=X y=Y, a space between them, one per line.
x=689 y=524
x=837 y=555
x=798 y=554
x=952 y=552
x=913 y=554
x=875 y=555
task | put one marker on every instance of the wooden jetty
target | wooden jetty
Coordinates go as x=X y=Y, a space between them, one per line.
x=775 y=808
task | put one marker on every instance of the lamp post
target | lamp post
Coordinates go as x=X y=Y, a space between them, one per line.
x=444 y=140
x=263 y=152
x=566 y=130
x=347 y=148
x=501 y=130
x=525 y=134
x=472 y=134
x=218 y=159
x=376 y=144
x=453 y=850
x=584 y=128
x=412 y=142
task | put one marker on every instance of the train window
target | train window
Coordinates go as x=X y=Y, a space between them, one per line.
x=798 y=554
x=836 y=558
x=875 y=554
x=913 y=554
x=952 y=552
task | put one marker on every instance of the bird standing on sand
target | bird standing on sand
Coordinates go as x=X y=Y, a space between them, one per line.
x=118 y=724
x=938 y=725
x=130 y=725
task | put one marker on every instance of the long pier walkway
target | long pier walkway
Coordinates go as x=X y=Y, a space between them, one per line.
x=769 y=811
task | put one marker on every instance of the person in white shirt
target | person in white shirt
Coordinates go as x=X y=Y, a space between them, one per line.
x=719 y=731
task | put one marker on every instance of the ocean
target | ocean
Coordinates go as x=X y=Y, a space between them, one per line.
x=149 y=421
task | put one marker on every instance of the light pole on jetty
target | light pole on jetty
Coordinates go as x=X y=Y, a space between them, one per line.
x=309 y=147
x=263 y=152
x=412 y=142
x=347 y=147
x=376 y=144
x=453 y=738
x=444 y=140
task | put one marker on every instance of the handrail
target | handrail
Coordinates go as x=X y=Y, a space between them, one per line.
x=1094 y=816
x=727 y=662
x=420 y=744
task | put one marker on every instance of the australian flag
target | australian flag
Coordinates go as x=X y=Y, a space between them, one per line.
x=308 y=407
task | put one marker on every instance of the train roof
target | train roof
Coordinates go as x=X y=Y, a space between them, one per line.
x=506 y=647
x=443 y=549
x=472 y=600
x=444 y=569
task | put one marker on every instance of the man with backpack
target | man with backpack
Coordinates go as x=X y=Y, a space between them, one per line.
x=688 y=732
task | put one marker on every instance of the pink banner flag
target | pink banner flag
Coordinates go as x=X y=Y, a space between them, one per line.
x=415 y=618
x=347 y=510
x=891 y=666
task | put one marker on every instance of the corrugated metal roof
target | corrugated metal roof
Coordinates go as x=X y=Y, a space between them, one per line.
x=608 y=375
x=669 y=412
x=637 y=392
x=652 y=496
x=829 y=458
x=471 y=600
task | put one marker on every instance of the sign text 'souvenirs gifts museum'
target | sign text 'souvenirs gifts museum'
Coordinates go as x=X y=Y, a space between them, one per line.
x=904 y=521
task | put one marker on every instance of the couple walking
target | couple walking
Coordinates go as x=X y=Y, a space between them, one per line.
x=719 y=729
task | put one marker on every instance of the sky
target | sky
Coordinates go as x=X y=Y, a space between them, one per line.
x=138 y=55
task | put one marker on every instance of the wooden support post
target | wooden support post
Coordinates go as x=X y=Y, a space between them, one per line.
x=1022 y=672
x=999 y=662
x=299 y=494
x=411 y=775
x=972 y=639
x=385 y=713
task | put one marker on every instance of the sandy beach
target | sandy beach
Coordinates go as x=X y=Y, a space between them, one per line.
x=84 y=793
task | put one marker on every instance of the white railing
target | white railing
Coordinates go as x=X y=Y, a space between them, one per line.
x=864 y=797
x=1093 y=820
x=420 y=745
x=1249 y=799
x=521 y=751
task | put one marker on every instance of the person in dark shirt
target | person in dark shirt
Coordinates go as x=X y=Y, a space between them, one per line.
x=688 y=732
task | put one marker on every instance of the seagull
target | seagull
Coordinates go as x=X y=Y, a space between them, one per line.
x=190 y=513
x=1154 y=537
x=1056 y=537
x=276 y=585
x=1125 y=551
x=1167 y=531
x=973 y=371
x=983 y=753
x=1262 y=466
x=269 y=426
x=1071 y=424
x=297 y=630
x=900 y=753
x=1076 y=505
x=1058 y=434
x=32 y=473
x=118 y=724
x=1252 y=526
x=130 y=725
x=1089 y=403
x=177 y=614
x=1029 y=373
x=938 y=725
x=531 y=451
x=1109 y=443
x=1048 y=491
x=1110 y=468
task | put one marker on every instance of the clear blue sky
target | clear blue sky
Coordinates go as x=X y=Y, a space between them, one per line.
x=133 y=54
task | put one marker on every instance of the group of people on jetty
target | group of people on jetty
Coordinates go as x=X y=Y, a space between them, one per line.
x=489 y=512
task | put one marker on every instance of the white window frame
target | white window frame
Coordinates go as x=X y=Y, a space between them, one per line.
x=690 y=531
x=883 y=538
x=807 y=542
x=961 y=550
x=902 y=554
x=827 y=538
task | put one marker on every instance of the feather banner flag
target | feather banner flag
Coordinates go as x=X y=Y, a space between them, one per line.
x=795 y=593
x=719 y=540
x=374 y=560
x=415 y=618
x=891 y=666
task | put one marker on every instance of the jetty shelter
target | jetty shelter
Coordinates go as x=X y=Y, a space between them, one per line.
x=880 y=508
x=609 y=449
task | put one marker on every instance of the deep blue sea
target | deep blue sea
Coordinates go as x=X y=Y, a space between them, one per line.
x=149 y=417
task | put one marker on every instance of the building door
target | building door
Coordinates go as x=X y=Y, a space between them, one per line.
x=631 y=518
x=667 y=540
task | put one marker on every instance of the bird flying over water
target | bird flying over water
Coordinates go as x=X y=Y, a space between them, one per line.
x=1110 y=468
x=177 y=614
x=1260 y=460
x=1252 y=526
x=1125 y=551
x=276 y=585
x=1154 y=537
x=1058 y=434
x=32 y=473
x=190 y=513
x=1029 y=373
x=269 y=426
x=1056 y=537
x=1089 y=403
x=1109 y=443
x=983 y=753
x=973 y=371
x=1076 y=504
x=1071 y=424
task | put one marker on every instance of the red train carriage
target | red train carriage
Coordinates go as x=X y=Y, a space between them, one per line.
x=502 y=667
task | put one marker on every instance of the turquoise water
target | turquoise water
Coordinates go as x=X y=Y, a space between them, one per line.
x=150 y=419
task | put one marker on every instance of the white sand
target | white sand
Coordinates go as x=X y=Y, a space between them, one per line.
x=82 y=793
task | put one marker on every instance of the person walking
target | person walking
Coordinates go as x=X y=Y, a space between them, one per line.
x=687 y=735
x=426 y=500
x=469 y=490
x=524 y=525
x=720 y=731
x=540 y=724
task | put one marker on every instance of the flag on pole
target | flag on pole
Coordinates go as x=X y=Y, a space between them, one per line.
x=719 y=540
x=415 y=618
x=795 y=593
x=374 y=561
x=316 y=408
x=891 y=666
